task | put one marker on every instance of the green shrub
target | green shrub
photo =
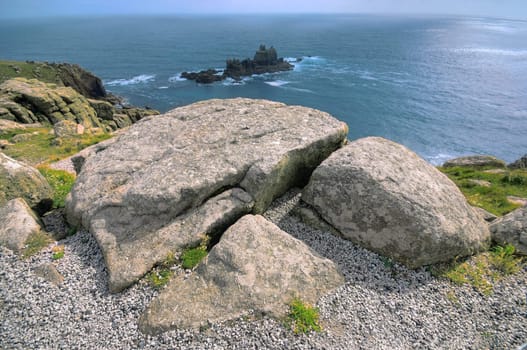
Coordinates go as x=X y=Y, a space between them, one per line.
x=302 y=317
x=60 y=181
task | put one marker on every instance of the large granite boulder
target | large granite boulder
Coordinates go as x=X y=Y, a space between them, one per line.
x=476 y=161
x=384 y=197
x=511 y=228
x=21 y=180
x=137 y=194
x=18 y=223
x=255 y=266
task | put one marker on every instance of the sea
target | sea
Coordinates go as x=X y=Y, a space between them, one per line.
x=443 y=86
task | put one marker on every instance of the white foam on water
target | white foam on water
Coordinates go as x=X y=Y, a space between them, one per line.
x=176 y=78
x=276 y=83
x=163 y=87
x=483 y=50
x=139 y=79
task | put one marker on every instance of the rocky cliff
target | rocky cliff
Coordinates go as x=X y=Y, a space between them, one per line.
x=52 y=92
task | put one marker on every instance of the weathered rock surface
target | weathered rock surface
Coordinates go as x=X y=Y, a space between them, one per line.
x=512 y=228
x=18 y=222
x=42 y=102
x=67 y=128
x=20 y=180
x=255 y=266
x=476 y=161
x=50 y=273
x=519 y=164
x=487 y=216
x=384 y=197
x=164 y=168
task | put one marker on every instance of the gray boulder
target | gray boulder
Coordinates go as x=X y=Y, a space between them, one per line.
x=511 y=228
x=519 y=164
x=67 y=128
x=21 y=180
x=50 y=273
x=384 y=197
x=165 y=167
x=255 y=266
x=476 y=161
x=18 y=223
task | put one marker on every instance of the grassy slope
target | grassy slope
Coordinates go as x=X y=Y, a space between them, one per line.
x=494 y=197
x=34 y=70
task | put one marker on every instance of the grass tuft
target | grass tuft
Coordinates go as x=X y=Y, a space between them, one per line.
x=57 y=252
x=303 y=318
x=162 y=274
x=60 y=181
x=35 y=243
x=483 y=270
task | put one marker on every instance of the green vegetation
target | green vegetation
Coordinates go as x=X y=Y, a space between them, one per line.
x=30 y=70
x=161 y=274
x=483 y=270
x=302 y=317
x=191 y=257
x=60 y=181
x=492 y=198
x=57 y=252
x=41 y=146
x=35 y=243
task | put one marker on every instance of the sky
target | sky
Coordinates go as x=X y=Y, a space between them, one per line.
x=42 y=8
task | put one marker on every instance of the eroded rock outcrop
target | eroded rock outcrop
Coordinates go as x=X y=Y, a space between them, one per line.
x=21 y=180
x=384 y=197
x=519 y=163
x=140 y=195
x=18 y=222
x=30 y=101
x=511 y=228
x=255 y=267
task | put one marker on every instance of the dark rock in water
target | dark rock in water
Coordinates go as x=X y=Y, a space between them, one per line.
x=264 y=61
x=519 y=164
x=204 y=77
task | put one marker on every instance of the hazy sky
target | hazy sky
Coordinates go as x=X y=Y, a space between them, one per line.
x=36 y=8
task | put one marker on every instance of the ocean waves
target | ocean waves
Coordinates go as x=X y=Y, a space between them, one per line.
x=138 y=79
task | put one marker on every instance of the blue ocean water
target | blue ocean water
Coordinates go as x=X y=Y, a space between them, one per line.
x=442 y=86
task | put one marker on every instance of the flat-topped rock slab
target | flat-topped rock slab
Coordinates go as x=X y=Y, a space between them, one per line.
x=163 y=169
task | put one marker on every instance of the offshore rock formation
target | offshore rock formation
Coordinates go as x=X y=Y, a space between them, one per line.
x=195 y=170
x=382 y=196
x=264 y=61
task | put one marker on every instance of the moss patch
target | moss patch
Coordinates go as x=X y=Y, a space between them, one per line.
x=191 y=257
x=493 y=197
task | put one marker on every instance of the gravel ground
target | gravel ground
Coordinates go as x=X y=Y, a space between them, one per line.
x=379 y=307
